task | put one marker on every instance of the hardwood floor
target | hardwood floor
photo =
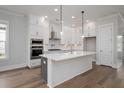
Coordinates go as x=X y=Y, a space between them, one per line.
x=22 y=78
x=99 y=77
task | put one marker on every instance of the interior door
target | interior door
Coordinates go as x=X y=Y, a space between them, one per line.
x=106 y=44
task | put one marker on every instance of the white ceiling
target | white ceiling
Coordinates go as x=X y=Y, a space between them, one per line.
x=92 y=12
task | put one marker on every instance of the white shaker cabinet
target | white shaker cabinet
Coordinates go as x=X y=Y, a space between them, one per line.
x=36 y=31
x=38 y=28
x=32 y=31
x=66 y=35
x=71 y=36
x=78 y=37
x=89 y=30
x=36 y=20
x=40 y=32
x=46 y=35
x=33 y=19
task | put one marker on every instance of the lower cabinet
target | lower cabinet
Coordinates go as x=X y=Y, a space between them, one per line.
x=35 y=63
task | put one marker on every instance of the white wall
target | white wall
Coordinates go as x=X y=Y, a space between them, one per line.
x=17 y=40
x=107 y=20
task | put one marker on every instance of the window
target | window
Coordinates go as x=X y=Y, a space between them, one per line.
x=3 y=39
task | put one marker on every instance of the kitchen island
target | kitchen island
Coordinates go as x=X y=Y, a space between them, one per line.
x=64 y=66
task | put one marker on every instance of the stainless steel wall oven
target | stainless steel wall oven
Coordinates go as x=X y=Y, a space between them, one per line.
x=36 y=48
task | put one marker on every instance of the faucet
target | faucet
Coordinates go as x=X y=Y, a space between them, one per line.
x=71 y=48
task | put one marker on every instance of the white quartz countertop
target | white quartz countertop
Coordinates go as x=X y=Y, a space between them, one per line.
x=68 y=55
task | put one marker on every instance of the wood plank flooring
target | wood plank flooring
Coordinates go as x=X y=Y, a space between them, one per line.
x=98 y=77
x=22 y=78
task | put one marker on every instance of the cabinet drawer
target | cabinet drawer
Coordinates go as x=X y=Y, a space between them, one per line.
x=35 y=62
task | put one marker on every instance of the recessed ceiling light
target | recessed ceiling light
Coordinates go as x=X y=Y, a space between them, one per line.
x=82 y=36
x=46 y=16
x=55 y=9
x=62 y=21
x=42 y=19
x=61 y=33
x=73 y=17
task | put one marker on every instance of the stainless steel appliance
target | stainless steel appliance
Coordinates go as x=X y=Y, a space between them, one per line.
x=36 y=48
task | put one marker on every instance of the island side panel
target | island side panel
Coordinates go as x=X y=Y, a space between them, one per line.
x=49 y=73
x=60 y=71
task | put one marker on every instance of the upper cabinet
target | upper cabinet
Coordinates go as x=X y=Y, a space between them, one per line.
x=78 y=36
x=36 y=31
x=38 y=28
x=35 y=20
x=89 y=29
x=71 y=36
x=66 y=35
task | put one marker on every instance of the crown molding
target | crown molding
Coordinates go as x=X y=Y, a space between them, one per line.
x=11 y=12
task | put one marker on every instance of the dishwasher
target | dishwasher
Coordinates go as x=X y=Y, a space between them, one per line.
x=44 y=69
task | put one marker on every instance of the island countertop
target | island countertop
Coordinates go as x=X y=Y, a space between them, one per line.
x=68 y=55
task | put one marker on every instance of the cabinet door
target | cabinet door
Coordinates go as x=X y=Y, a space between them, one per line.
x=33 y=19
x=78 y=37
x=68 y=36
x=86 y=31
x=65 y=37
x=46 y=35
x=33 y=31
x=89 y=30
x=40 y=31
x=39 y=21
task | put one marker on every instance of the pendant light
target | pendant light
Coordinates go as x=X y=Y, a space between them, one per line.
x=82 y=12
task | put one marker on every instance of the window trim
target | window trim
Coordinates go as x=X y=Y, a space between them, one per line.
x=7 y=41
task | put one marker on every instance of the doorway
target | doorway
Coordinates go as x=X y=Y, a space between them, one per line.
x=105 y=44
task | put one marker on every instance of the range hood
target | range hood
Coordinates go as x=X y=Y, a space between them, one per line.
x=53 y=35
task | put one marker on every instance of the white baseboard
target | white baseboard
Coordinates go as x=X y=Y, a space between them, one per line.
x=12 y=67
